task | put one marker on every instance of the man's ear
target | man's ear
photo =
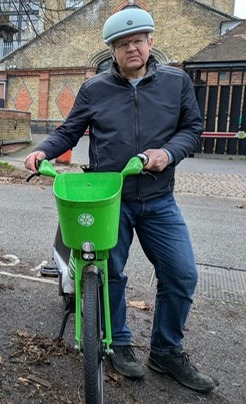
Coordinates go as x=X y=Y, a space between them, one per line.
x=113 y=56
x=151 y=42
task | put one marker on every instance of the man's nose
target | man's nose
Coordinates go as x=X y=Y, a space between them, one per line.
x=131 y=46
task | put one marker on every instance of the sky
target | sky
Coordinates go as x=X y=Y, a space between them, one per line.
x=240 y=8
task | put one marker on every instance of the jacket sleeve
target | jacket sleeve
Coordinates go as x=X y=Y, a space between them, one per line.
x=66 y=136
x=190 y=124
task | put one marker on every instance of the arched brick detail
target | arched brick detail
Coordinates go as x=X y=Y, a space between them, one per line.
x=100 y=57
x=127 y=3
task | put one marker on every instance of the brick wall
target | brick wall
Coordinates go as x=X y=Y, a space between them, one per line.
x=182 y=29
x=223 y=77
x=1 y=90
x=47 y=94
x=23 y=92
x=227 y=6
x=15 y=126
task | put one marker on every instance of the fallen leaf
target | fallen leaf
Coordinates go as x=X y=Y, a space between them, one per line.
x=21 y=333
x=241 y=206
x=113 y=376
x=140 y=305
x=23 y=380
x=39 y=381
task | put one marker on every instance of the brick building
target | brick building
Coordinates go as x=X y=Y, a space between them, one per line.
x=43 y=76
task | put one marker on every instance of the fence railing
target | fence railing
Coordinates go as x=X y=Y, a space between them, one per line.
x=223 y=143
x=5 y=49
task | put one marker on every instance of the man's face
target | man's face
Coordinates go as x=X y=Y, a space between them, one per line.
x=132 y=51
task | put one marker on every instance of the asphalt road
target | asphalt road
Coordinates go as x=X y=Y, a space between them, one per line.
x=211 y=192
x=29 y=220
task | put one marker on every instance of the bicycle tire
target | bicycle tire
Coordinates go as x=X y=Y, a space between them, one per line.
x=92 y=340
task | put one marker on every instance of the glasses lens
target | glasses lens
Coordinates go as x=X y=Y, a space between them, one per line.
x=136 y=42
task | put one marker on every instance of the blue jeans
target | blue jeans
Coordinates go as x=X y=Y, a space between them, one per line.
x=165 y=240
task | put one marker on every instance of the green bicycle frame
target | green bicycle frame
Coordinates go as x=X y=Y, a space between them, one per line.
x=87 y=196
x=80 y=267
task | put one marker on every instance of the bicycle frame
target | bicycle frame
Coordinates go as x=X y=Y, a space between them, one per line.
x=89 y=222
x=80 y=267
x=133 y=167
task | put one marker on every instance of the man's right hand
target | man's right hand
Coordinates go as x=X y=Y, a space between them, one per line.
x=32 y=159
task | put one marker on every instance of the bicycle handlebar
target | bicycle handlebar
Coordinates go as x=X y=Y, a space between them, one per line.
x=133 y=167
x=144 y=158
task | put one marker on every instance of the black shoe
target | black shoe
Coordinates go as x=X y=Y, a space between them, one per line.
x=124 y=361
x=178 y=365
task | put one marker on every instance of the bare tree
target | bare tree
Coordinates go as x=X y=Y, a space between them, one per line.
x=28 y=18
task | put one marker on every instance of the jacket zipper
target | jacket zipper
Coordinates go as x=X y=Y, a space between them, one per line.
x=136 y=134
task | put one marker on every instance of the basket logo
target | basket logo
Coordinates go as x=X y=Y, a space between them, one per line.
x=86 y=220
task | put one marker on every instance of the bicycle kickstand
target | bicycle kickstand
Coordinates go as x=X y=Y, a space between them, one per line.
x=69 y=308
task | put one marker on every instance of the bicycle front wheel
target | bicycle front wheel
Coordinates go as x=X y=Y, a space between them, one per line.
x=92 y=340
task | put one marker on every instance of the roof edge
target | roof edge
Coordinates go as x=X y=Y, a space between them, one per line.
x=214 y=10
x=214 y=64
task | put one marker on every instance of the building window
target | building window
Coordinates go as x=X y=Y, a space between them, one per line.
x=74 y=4
x=5 y=5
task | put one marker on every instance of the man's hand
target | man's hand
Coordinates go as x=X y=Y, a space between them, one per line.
x=32 y=159
x=158 y=159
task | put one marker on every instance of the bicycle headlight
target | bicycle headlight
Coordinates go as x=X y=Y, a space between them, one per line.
x=88 y=256
x=88 y=249
x=88 y=246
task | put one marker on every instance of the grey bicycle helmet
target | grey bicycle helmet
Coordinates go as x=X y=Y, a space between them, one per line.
x=126 y=22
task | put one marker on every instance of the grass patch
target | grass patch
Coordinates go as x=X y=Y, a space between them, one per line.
x=6 y=166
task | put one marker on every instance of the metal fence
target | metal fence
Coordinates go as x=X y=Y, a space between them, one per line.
x=221 y=95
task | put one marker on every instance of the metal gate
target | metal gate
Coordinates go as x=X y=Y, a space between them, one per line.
x=221 y=95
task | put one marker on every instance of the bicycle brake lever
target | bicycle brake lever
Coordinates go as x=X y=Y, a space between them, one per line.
x=87 y=168
x=36 y=174
x=32 y=175
x=145 y=172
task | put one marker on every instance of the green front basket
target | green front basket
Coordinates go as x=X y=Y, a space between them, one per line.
x=88 y=206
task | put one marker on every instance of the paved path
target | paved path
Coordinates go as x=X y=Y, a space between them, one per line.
x=219 y=176
x=209 y=184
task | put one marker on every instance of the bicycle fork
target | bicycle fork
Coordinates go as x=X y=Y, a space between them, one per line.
x=100 y=267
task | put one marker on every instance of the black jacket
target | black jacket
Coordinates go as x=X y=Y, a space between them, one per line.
x=161 y=112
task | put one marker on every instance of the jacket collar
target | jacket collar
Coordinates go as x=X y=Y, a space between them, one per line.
x=151 y=69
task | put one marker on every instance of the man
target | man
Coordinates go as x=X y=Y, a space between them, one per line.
x=136 y=107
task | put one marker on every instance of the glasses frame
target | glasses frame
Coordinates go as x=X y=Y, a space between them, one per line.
x=138 y=42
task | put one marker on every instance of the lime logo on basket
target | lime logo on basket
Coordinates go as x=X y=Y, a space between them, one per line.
x=86 y=219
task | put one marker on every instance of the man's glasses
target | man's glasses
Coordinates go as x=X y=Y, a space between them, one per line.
x=136 y=42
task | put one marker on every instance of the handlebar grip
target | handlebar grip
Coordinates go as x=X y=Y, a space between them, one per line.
x=144 y=158
x=37 y=163
x=37 y=173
